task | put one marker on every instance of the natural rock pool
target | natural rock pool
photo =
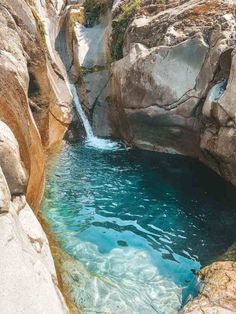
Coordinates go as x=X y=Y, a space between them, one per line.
x=141 y=223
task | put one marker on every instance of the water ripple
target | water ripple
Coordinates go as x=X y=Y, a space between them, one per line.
x=140 y=223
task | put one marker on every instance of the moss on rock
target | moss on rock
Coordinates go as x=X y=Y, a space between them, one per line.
x=120 y=24
x=94 y=9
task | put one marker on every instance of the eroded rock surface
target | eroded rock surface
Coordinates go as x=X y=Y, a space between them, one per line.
x=28 y=280
x=218 y=293
x=34 y=99
x=173 y=89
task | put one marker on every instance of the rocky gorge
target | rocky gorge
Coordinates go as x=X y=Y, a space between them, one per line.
x=158 y=75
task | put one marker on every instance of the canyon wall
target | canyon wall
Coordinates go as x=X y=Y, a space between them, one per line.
x=35 y=111
x=173 y=82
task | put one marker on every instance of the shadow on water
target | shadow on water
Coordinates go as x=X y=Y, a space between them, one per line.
x=191 y=192
x=172 y=210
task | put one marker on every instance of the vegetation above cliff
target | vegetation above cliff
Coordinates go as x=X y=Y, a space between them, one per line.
x=94 y=9
x=126 y=13
x=120 y=24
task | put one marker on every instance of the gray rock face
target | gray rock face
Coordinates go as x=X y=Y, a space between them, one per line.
x=92 y=52
x=158 y=89
x=174 y=89
x=219 y=135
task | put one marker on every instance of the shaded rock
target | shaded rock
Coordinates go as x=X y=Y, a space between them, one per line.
x=92 y=52
x=218 y=137
x=96 y=83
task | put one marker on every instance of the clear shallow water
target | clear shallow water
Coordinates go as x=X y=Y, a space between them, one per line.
x=141 y=223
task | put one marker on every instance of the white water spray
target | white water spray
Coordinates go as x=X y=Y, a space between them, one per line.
x=92 y=140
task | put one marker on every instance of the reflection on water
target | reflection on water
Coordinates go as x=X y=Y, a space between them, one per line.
x=141 y=223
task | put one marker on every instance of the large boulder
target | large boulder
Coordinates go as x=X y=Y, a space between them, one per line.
x=158 y=89
x=172 y=62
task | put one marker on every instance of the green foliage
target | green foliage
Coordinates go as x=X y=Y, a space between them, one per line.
x=120 y=24
x=40 y=25
x=161 y=1
x=94 y=9
x=38 y=21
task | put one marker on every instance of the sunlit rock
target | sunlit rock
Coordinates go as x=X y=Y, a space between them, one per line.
x=5 y=195
x=10 y=161
x=174 y=61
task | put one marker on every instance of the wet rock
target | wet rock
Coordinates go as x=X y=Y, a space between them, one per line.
x=92 y=52
x=218 y=292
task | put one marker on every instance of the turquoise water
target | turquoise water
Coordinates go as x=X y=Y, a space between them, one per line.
x=141 y=223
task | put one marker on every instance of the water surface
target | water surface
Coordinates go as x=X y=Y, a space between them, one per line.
x=141 y=223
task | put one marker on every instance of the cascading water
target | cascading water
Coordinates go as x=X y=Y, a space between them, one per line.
x=91 y=140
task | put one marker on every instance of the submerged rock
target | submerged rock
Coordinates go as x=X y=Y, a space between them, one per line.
x=112 y=284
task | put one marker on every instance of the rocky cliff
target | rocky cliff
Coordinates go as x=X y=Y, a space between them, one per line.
x=173 y=79
x=35 y=110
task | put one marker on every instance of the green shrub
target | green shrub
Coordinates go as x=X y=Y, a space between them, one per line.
x=94 y=9
x=120 y=25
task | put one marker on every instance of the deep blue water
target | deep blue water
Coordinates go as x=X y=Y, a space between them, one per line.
x=144 y=221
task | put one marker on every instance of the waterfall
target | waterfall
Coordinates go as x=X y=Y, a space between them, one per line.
x=79 y=109
x=91 y=139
